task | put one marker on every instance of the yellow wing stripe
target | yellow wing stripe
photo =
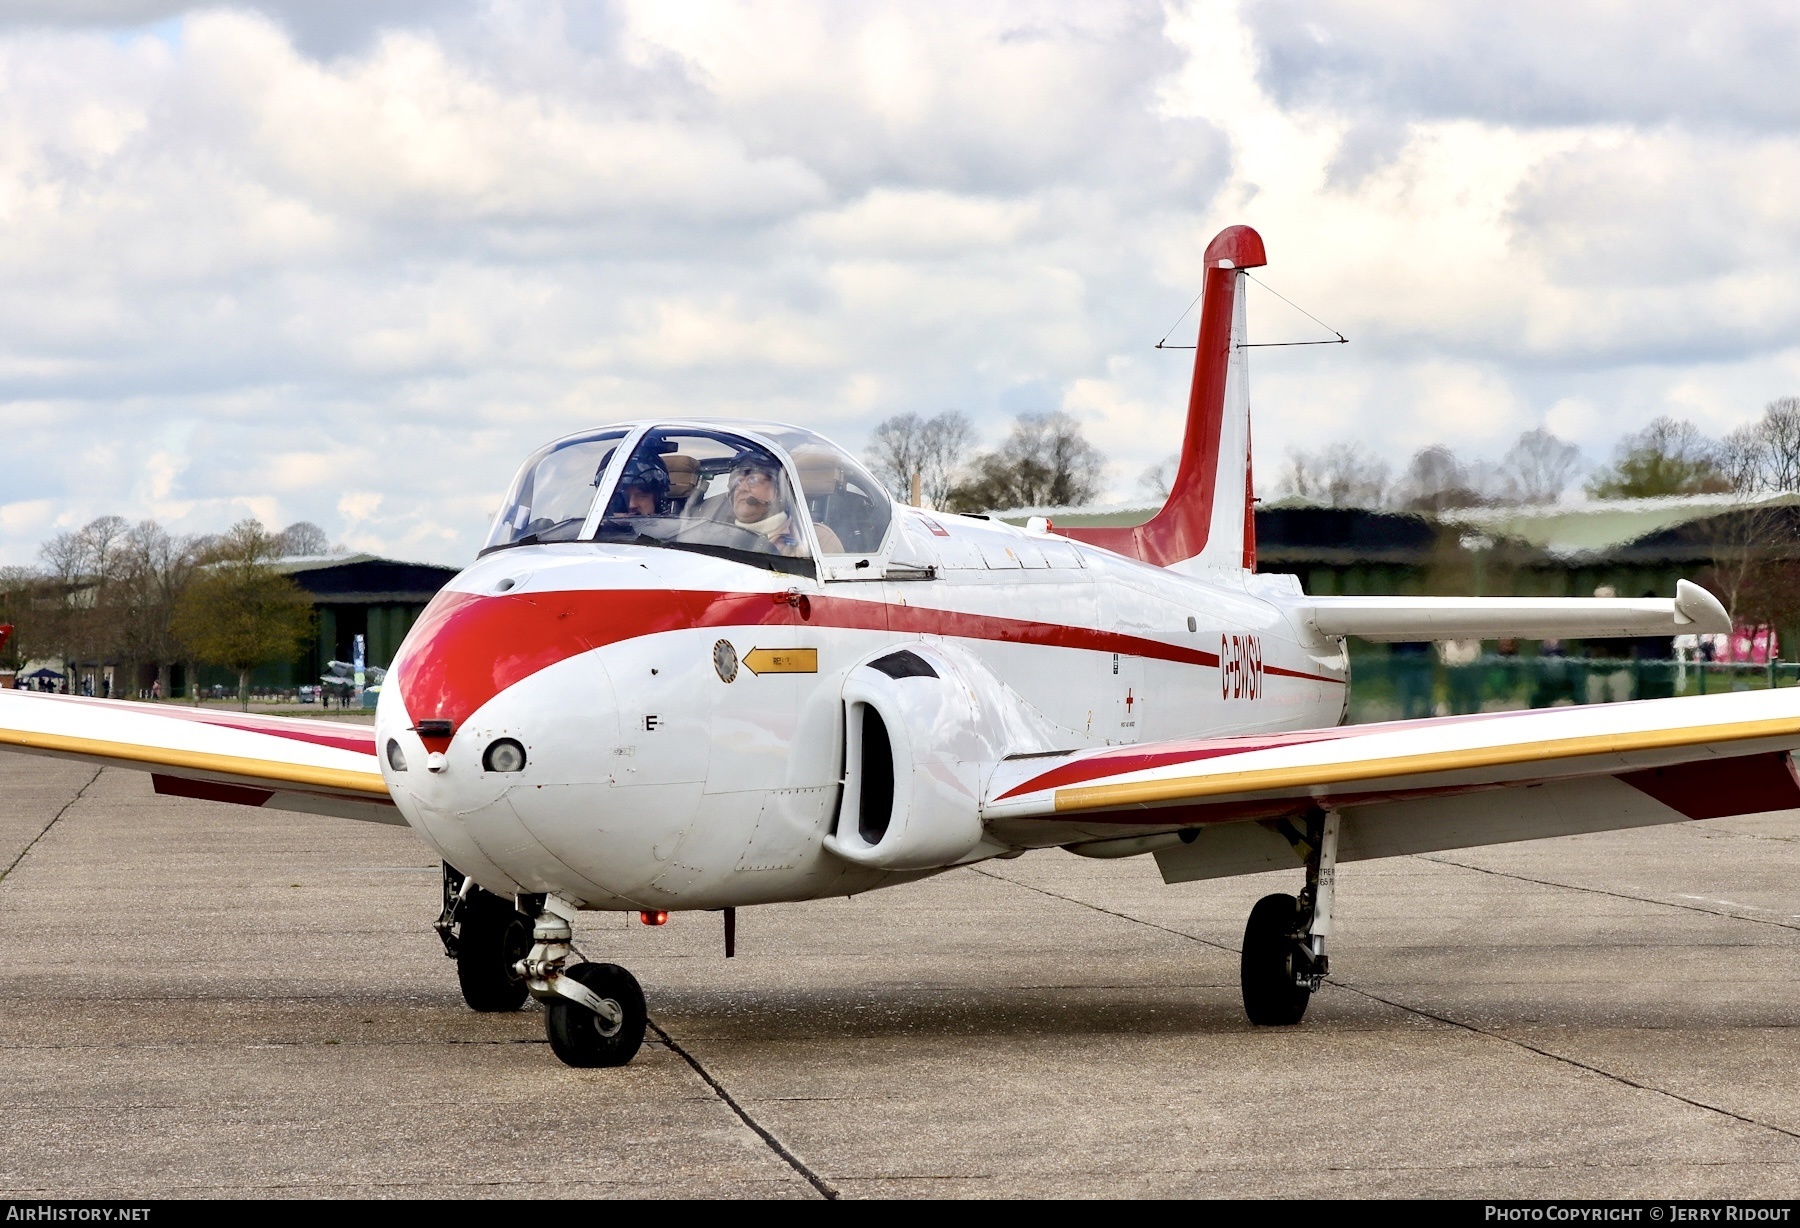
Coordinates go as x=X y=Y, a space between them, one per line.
x=202 y=761
x=1258 y=780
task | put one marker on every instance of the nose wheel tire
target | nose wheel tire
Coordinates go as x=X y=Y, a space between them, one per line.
x=580 y=1037
x=1272 y=962
x=494 y=937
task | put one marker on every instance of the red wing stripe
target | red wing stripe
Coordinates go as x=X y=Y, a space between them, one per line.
x=1134 y=759
x=358 y=738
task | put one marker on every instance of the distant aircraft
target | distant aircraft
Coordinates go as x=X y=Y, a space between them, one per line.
x=703 y=664
x=340 y=677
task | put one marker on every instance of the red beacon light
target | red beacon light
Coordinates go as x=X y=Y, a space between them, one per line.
x=654 y=916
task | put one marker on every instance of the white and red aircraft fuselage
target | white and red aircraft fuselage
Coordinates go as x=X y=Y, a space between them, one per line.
x=707 y=664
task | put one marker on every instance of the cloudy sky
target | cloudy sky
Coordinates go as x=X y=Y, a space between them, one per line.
x=348 y=261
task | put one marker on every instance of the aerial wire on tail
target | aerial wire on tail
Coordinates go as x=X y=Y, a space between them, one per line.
x=1337 y=337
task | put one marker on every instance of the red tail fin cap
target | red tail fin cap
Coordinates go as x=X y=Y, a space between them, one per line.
x=1180 y=530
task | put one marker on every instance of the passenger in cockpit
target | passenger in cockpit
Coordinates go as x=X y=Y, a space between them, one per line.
x=757 y=505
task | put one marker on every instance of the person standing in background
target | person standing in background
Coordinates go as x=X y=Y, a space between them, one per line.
x=1609 y=675
x=1462 y=669
x=1653 y=659
x=1414 y=676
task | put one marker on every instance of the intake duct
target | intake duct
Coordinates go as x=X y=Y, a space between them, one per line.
x=875 y=780
x=913 y=754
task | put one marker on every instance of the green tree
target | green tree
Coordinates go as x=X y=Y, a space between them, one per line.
x=1665 y=458
x=238 y=611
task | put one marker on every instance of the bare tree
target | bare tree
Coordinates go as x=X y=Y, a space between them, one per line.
x=933 y=449
x=1756 y=565
x=1743 y=458
x=1045 y=461
x=1781 y=435
x=1339 y=475
x=1668 y=457
x=84 y=566
x=302 y=537
x=1765 y=454
x=1159 y=478
x=949 y=438
x=1538 y=468
x=157 y=570
x=896 y=451
x=1435 y=480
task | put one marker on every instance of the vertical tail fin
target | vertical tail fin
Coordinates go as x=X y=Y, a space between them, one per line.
x=1207 y=516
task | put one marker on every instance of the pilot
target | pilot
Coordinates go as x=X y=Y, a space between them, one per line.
x=758 y=506
x=643 y=489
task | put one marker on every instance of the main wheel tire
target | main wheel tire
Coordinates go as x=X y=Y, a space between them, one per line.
x=1271 y=998
x=494 y=936
x=581 y=1038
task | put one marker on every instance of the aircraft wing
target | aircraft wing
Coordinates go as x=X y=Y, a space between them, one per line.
x=1411 y=786
x=1388 y=619
x=281 y=763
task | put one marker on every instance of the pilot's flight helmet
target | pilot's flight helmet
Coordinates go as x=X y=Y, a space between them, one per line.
x=646 y=473
x=642 y=473
x=757 y=460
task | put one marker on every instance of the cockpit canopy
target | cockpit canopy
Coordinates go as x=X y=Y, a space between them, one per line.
x=732 y=489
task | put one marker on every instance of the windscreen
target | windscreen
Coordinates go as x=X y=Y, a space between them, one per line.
x=550 y=498
x=712 y=492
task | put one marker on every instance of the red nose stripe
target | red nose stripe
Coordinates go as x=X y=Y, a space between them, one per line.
x=467 y=648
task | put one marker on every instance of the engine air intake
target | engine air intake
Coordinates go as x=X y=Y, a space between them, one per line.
x=875 y=792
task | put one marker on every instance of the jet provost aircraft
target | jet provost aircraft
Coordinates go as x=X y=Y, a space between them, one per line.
x=702 y=665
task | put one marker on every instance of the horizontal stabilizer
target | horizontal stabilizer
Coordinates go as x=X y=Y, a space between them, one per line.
x=1392 y=619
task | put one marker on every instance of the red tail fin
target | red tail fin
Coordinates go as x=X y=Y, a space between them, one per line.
x=1203 y=517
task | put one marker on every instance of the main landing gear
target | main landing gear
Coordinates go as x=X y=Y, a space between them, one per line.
x=487 y=937
x=1284 y=956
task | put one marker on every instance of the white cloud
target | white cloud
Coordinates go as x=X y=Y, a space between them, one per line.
x=315 y=260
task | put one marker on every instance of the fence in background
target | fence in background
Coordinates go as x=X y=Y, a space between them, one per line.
x=1393 y=687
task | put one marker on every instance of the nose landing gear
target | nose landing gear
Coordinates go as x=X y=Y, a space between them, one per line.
x=594 y=1014
x=1284 y=957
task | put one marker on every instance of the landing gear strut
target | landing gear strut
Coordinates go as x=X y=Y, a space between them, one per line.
x=487 y=937
x=1284 y=956
x=594 y=1014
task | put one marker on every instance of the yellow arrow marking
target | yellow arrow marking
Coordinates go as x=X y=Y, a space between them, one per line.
x=782 y=660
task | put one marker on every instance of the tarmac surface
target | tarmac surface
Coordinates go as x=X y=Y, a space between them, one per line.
x=199 y=999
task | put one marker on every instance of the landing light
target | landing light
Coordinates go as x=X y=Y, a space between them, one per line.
x=395 y=756
x=654 y=916
x=505 y=755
